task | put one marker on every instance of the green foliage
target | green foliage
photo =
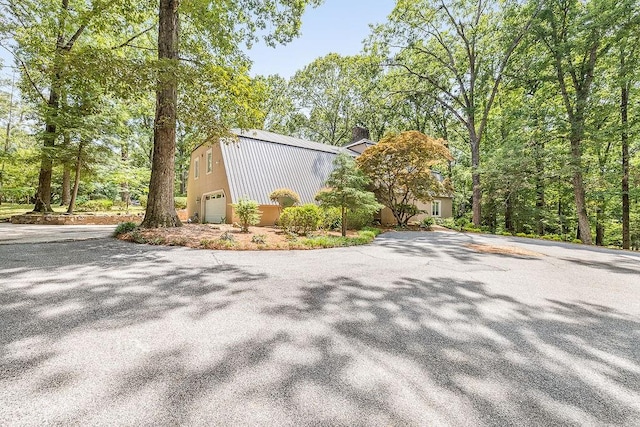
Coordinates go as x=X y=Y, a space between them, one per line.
x=285 y=197
x=180 y=202
x=100 y=205
x=399 y=167
x=301 y=220
x=363 y=238
x=143 y=200
x=125 y=227
x=359 y=218
x=427 y=222
x=259 y=239
x=346 y=189
x=331 y=218
x=248 y=213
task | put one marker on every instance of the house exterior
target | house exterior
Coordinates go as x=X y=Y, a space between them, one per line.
x=259 y=162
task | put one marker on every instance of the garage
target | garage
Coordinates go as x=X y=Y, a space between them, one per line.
x=215 y=207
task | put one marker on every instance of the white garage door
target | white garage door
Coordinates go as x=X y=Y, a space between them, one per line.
x=215 y=208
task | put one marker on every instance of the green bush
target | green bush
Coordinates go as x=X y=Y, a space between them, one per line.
x=125 y=227
x=358 y=219
x=301 y=219
x=376 y=231
x=248 y=213
x=427 y=222
x=447 y=222
x=99 y=205
x=180 y=202
x=331 y=218
x=285 y=197
x=143 y=201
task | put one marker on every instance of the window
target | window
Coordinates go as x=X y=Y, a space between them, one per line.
x=209 y=161
x=196 y=168
x=435 y=208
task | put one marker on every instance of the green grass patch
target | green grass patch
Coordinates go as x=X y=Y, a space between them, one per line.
x=364 y=237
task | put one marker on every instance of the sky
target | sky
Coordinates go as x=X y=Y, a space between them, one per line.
x=336 y=26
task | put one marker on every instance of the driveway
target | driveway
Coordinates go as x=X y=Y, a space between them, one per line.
x=415 y=329
x=23 y=233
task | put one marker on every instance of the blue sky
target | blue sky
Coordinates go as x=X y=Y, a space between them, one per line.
x=337 y=26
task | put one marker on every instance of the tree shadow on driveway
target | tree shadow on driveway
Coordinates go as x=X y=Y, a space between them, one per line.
x=413 y=352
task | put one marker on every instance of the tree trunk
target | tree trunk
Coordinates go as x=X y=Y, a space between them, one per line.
x=76 y=181
x=540 y=201
x=124 y=186
x=578 y=191
x=624 y=118
x=43 y=194
x=475 y=179
x=600 y=225
x=508 y=214
x=344 y=222
x=161 y=211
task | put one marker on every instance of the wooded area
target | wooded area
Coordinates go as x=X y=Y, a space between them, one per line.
x=537 y=101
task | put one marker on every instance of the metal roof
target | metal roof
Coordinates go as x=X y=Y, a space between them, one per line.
x=260 y=162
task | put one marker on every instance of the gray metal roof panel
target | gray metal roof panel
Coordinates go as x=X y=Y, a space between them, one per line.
x=264 y=135
x=256 y=167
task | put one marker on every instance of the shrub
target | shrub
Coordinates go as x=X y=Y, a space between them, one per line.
x=99 y=205
x=180 y=202
x=446 y=222
x=285 y=197
x=331 y=218
x=374 y=230
x=358 y=219
x=143 y=201
x=227 y=237
x=248 y=213
x=301 y=219
x=125 y=227
x=426 y=223
x=259 y=239
x=462 y=222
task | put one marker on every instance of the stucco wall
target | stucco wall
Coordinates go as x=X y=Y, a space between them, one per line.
x=206 y=183
x=269 y=216
x=446 y=211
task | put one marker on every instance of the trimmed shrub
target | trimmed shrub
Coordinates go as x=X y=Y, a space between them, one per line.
x=358 y=219
x=180 y=202
x=301 y=219
x=248 y=213
x=331 y=218
x=125 y=227
x=285 y=197
x=426 y=223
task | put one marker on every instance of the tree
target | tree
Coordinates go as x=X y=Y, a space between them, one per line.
x=212 y=35
x=399 y=167
x=53 y=40
x=346 y=189
x=460 y=50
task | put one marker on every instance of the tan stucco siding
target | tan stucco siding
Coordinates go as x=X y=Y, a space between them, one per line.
x=206 y=182
x=446 y=211
x=269 y=215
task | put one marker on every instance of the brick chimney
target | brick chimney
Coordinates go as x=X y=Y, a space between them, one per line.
x=359 y=133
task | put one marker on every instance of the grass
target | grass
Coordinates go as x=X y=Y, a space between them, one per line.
x=8 y=210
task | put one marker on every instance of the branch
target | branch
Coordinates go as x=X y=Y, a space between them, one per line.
x=26 y=71
x=135 y=36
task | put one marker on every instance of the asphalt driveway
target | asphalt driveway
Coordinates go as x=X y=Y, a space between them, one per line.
x=416 y=329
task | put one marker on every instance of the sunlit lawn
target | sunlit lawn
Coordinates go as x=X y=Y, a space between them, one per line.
x=9 y=209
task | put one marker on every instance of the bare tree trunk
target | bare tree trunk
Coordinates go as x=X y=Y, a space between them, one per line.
x=43 y=194
x=66 y=174
x=161 y=211
x=344 y=222
x=76 y=181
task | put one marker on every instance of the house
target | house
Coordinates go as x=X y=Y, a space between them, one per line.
x=259 y=162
